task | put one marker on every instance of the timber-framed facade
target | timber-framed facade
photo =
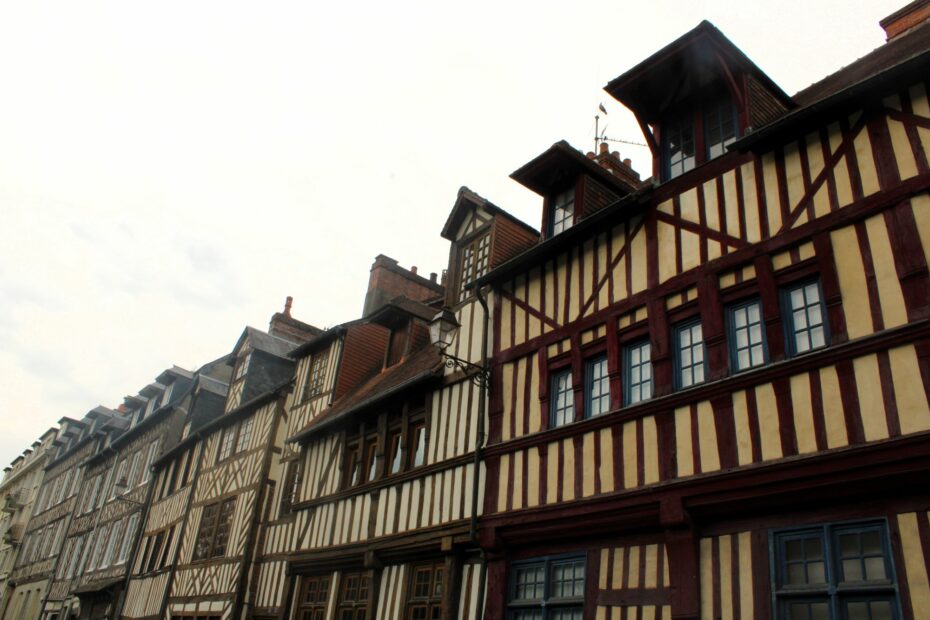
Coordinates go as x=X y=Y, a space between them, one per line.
x=724 y=375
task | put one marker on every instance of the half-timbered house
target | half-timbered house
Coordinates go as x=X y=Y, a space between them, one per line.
x=22 y=480
x=379 y=505
x=93 y=565
x=710 y=391
x=217 y=538
x=33 y=575
x=155 y=551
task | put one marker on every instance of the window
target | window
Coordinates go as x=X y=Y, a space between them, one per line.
x=353 y=597
x=547 y=589
x=597 y=387
x=833 y=572
x=243 y=366
x=245 y=434
x=562 y=213
x=371 y=461
x=235 y=439
x=417 y=444
x=314 y=385
x=291 y=487
x=747 y=335
x=806 y=322
x=314 y=595
x=678 y=146
x=562 y=399
x=689 y=355
x=474 y=263
x=424 y=593
x=214 y=529
x=720 y=126
x=395 y=458
x=149 y=459
x=353 y=464
x=120 y=483
x=127 y=542
x=637 y=373
x=112 y=542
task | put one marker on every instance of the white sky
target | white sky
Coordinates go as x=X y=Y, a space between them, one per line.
x=170 y=171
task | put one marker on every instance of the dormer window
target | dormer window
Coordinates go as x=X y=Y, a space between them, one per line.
x=562 y=213
x=474 y=262
x=679 y=146
x=698 y=135
x=243 y=366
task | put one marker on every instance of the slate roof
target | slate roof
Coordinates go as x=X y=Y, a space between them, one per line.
x=895 y=52
x=263 y=341
x=421 y=366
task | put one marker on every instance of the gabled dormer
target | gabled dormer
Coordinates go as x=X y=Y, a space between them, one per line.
x=695 y=97
x=483 y=236
x=574 y=185
x=407 y=321
x=260 y=362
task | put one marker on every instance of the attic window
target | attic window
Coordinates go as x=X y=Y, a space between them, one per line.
x=243 y=366
x=562 y=213
x=698 y=134
x=474 y=262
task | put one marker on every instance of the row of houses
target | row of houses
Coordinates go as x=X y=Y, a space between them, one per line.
x=699 y=395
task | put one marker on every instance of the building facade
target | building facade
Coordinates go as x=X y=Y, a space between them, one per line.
x=18 y=492
x=724 y=374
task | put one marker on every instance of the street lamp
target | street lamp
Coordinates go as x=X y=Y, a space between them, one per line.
x=121 y=486
x=442 y=331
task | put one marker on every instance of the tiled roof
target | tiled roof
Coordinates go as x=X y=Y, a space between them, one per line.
x=422 y=365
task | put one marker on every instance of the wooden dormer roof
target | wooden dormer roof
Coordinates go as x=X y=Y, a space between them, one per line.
x=697 y=60
x=467 y=199
x=559 y=166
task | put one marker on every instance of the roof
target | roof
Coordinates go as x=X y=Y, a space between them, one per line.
x=215 y=386
x=467 y=198
x=170 y=374
x=901 y=59
x=152 y=389
x=263 y=341
x=880 y=59
x=422 y=365
x=327 y=336
x=688 y=63
x=559 y=165
x=401 y=306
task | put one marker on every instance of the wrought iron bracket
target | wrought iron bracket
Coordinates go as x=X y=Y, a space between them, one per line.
x=478 y=375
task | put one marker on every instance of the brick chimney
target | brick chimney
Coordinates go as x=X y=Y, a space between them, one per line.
x=389 y=280
x=906 y=18
x=283 y=325
x=617 y=167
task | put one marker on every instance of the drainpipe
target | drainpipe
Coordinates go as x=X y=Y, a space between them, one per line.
x=479 y=443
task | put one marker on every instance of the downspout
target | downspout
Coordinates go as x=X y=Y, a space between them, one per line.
x=479 y=442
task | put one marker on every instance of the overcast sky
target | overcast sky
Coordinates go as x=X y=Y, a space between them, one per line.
x=171 y=171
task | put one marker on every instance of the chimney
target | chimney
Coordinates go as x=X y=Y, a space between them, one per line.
x=906 y=19
x=617 y=167
x=283 y=325
x=389 y=280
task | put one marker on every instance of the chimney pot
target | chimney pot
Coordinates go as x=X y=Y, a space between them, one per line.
x=413 y=270
x=604 y=148
x=287 y=305
x=628 y=162
x=432 y=277
x=615 y=154
x=590 y=155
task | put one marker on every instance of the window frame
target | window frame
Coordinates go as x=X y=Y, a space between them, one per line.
x=431 y=601
x=589 y=380
x=732 y=346
x=832 y=591
x=561 y=202
x=677 y=375
x=358 y=604
x=209 y=532
x=790 y=329
x=628 y=371
x=547 y=602
x=315 y=609
x=474 y=260
x=554 y=375
x=316 y=375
